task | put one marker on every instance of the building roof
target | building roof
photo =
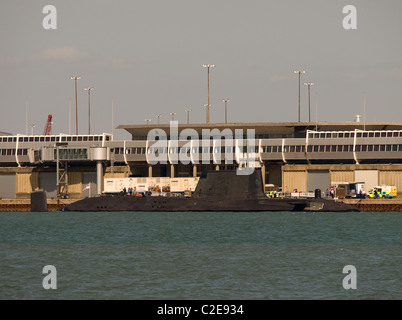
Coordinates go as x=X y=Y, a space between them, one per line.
x=296 y=129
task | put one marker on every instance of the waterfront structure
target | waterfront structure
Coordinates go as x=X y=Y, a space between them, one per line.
x=293 y=155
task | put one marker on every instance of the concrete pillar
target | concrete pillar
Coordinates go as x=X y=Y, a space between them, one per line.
x=263 y=173
x=194 y=170
x=99 y=177
x=172 y=170
x=149 y=171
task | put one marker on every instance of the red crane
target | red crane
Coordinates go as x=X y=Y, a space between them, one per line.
x=48 y=127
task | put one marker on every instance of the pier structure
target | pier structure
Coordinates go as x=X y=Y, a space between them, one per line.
x=299 y=156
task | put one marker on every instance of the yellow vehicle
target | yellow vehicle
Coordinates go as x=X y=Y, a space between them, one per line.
x=382 y=192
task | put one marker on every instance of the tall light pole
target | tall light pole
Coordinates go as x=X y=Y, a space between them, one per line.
x=172 y=114
x=208 y=66
x=299 y=72
x=309 y=84
x=158 y=116
x=226 y=109
x=188 y=115
x=32 y=126
x=89 y=89
x=75 y=78
x=147 y=121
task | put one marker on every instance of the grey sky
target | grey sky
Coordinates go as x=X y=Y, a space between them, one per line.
x=148 y=56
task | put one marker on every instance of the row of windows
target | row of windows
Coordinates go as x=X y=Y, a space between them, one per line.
x=269 y=149
x=53 y=138
x=138 y=150
x=11 y=152
x=181 y=150
x=359 y=134
x=71 y=154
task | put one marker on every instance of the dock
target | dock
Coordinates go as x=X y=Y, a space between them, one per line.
x=24 y=205
x=378 y=205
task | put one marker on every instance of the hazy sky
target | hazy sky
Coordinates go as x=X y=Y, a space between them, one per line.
x=147 y=55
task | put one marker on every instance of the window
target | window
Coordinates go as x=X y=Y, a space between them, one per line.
x=382 y=148
x=389 y=147
x=292 y=149
x=338 y=148
x=327 y=148
x=274 y=149
x=394 y=147
x=322 y=148
x=315 y=148
x=364 y=148
x=333 y=148
x=298 y=148
x=358 y=148
x=376 y=147
x=370 y=148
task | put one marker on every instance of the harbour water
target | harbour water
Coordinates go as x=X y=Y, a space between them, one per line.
x=240 y=256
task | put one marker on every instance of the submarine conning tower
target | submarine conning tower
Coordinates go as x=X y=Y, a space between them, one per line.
x=230 y=184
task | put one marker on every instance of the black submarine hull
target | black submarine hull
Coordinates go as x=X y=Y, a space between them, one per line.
x=216 y=191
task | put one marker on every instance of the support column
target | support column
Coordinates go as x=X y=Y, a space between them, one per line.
x=99 y=176
x=172 y=170
x=263 y=174
x=149 y=171
x=194 y=170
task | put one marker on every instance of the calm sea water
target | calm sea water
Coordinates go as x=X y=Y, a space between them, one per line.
x=138 y=255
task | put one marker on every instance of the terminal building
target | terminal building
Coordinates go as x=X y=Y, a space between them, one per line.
x=299 y=156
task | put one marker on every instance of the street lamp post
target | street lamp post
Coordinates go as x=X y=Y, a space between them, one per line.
x=208 y=66
x=188 y=115
x=147 y=121
x=309 y=84
x=299 y=72
x=75 y=78
x=32 y=126
x=158 y=116
x=89 y=89
x=226 y=109
x=172 y=114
